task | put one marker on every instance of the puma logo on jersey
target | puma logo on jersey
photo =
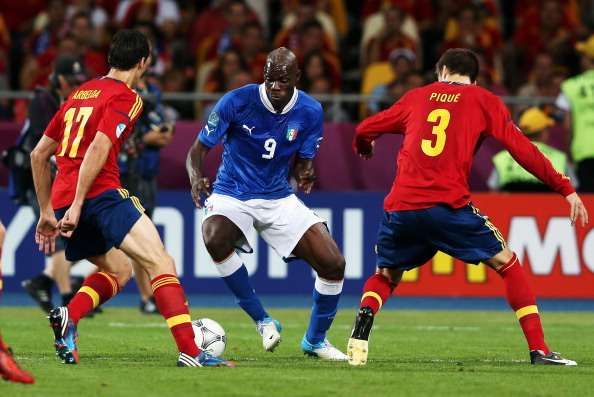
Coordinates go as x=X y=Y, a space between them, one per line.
x=248 y=129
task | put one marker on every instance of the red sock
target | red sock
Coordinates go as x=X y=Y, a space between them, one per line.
x=172 y=304
x=376 y=292
x=97 y=289
x=522 y=300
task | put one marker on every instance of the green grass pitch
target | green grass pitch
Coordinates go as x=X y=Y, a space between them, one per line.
x=412 y=353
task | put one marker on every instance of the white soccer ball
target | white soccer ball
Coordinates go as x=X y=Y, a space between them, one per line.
x=209 y=336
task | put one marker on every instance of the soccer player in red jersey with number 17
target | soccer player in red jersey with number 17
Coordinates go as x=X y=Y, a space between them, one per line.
x=429 y=207
x=101 y=221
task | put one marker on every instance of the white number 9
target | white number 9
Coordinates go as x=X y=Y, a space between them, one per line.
x=270 y=146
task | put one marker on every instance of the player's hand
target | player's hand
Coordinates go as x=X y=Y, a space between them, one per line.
x=305 y=179
x=200 y=186
x=577 y=209
x=364 y=148
x=70 y=220
x=46 y=232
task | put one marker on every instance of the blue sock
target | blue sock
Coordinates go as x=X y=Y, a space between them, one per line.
x=325 y=295
x=239 y=283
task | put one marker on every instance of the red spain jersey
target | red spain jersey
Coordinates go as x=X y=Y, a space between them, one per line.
x=443 y=125
x=105 y=105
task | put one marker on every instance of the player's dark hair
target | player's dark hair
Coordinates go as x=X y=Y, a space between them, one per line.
x=460 y=61
x=127 y=48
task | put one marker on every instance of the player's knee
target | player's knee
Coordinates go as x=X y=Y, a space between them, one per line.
x=333 y=268
x=500 y=260
x=123 y=275
x=392 y=275
x=160 y=262
x=2 y=233
x=218 y=246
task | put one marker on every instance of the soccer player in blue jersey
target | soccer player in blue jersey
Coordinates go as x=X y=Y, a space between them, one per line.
x=263 y=128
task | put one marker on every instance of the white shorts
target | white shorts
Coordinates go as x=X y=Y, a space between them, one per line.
x=281 y=222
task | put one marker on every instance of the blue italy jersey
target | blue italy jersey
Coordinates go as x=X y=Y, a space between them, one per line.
x=259 y=143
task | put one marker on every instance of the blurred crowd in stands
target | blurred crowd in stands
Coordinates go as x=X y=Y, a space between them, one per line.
x=375 y=47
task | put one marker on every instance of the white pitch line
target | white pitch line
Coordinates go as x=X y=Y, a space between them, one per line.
x=134 y=325
x=445 y=328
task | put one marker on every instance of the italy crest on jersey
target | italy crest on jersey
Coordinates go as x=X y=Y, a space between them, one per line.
x=291 y=134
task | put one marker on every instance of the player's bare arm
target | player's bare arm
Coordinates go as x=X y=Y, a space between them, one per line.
x=200 y=183
x=47 y=226
x=304 y=174
x=92 y=164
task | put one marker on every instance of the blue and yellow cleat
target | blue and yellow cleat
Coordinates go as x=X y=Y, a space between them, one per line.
x=324 y=350
x=65 y=335
x=204 y=359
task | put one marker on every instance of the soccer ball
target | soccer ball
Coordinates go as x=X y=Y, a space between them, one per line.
x=209 y=336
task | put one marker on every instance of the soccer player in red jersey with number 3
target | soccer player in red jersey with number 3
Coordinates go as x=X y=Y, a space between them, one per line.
x=429 y=207
x=101 y=221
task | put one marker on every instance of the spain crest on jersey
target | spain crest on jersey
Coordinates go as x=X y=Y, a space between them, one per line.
x=291 y=134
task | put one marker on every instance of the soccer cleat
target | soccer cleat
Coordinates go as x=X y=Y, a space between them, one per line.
x=357 y=351
x=9 y=369
x=204 y=359
x=65 y=334
x=40 y=293
x=358 y=346
x=537 y=357
x=269 y=329
x=149 y=307
x=323 y=350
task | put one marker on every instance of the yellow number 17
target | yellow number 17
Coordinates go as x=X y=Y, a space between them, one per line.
x=69 y=118
x=442 y=118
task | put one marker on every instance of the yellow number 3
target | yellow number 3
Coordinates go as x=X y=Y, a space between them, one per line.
x=442 y=118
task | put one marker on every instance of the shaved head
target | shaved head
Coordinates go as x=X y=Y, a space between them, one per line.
x=281 y=74
x=281 y=58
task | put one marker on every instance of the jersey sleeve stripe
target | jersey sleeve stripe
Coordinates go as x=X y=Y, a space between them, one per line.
x=137 y=110
x=134 y=108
